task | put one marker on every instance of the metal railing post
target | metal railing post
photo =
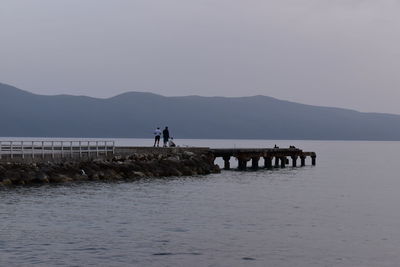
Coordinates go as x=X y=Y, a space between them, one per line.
x=97 y=148
x=62 y=149
x=52 y=149
x=80 y=149
x=33 y=149
x=22 y=149
x=42 y=149
x=71 y=151
x=11 y=149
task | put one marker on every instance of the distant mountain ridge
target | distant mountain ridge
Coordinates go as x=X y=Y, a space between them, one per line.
x=136 y=114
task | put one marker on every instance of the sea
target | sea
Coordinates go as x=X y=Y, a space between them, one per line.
x=342 y=212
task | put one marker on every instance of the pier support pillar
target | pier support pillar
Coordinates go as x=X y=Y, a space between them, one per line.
x=254 y=162
x=283 y=162
x=276 y=162
x=303 y=161
x=268 y=162
x=294 y=161
x=313 y=160
x=242 y=164
x=227 y=164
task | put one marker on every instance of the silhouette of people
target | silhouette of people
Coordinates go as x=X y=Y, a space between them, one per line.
x=157 y=136
x=165 y=136
x=171 y=142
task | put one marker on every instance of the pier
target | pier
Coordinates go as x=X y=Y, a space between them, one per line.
x=41 y=162
x=271 y=157
x=58 y=151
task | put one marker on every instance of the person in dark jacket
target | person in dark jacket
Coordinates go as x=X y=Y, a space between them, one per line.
x=165 y=136
x=157 y=135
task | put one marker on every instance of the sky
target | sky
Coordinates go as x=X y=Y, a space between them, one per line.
x=342 y=53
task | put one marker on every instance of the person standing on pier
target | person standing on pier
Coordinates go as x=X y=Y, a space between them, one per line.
x=157 y=136
x=165 y=136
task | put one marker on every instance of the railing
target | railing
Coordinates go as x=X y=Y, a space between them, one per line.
x=55 y=149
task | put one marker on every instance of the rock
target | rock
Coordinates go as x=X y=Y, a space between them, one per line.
x=187 y=171
x=98 y=160
x=41 y=178
x=188 y=154
x=138 y=174
x=7 y=182
x=173 y=158
x=45 y=180
x=117 y=158
x=59 y=178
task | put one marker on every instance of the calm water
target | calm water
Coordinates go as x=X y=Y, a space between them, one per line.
x=343 y=212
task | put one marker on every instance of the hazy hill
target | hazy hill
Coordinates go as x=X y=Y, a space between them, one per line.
x=137 y=114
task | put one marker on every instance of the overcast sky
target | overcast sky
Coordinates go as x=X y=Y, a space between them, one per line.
x=343 y=53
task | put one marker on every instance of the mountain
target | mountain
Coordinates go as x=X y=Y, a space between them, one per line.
x=136 y=114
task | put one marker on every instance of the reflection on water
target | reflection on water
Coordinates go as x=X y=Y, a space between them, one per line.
x=343 y=212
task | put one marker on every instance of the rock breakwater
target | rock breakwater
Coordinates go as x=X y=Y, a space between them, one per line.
x=124 y=167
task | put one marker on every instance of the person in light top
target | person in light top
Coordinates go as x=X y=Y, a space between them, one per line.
x=157 y=136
